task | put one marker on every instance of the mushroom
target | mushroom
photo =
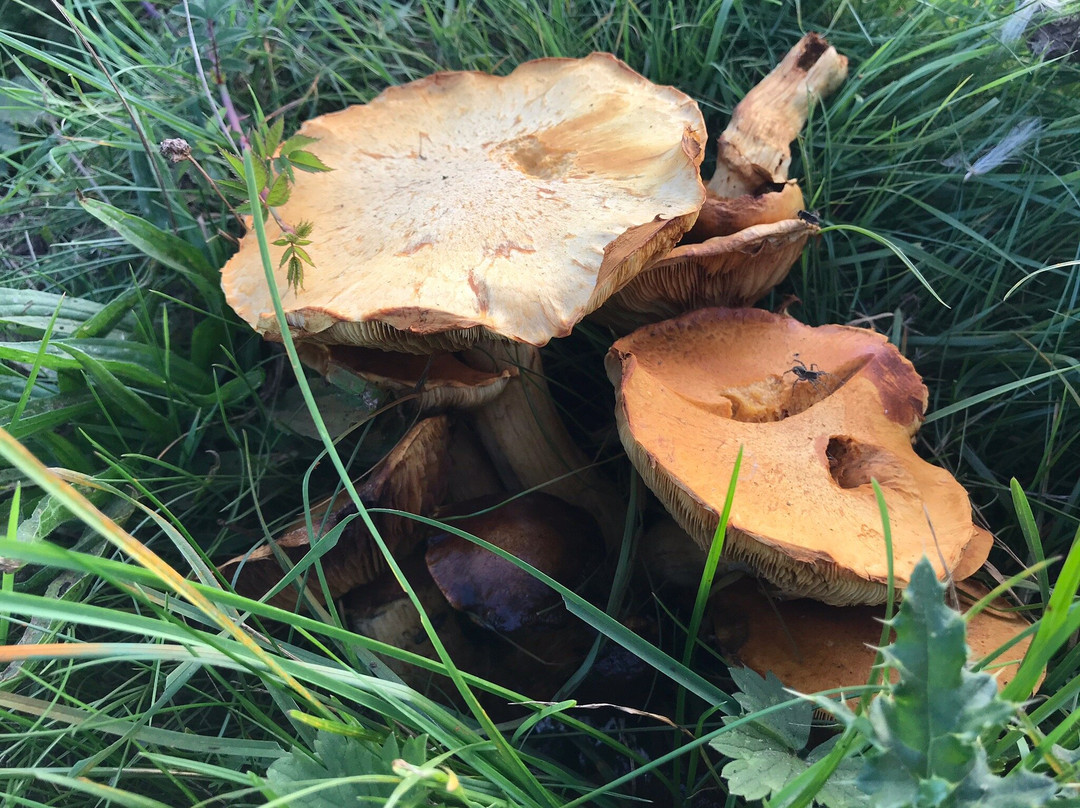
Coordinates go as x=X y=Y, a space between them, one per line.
x=381 y=610
x=749 y=231
x=542 y=642
x=442 y=381
x=468 y=210
x=818 y=414
x=810 y=646
x=412 y=477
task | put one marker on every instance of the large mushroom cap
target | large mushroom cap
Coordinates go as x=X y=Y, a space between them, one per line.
x=466 y=205
x=819 y=412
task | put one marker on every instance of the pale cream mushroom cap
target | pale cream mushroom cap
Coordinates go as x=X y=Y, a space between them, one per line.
x=466 y=205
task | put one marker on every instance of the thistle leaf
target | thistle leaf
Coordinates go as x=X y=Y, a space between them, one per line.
x=926 y=729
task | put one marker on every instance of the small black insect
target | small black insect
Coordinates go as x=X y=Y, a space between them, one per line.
x=803 y=373
x=810 y=217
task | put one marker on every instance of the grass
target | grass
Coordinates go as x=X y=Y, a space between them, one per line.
x=121 y=365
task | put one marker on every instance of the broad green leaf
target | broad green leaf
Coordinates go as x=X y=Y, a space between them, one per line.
x=42 y=414
x=114 y=312
x=31 y=303
x=297 y=142
x=133 y=361
x=370 y=780
x=273 y=135
x=927 y=728
x=170 y=250
x=127 y=400
x=768 y=752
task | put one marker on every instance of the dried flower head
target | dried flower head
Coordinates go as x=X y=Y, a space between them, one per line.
x=175 y=149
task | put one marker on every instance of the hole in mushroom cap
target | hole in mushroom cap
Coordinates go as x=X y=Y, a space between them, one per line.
x=853 y=463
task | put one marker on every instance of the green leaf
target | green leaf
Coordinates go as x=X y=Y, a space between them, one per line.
x=45 y=414
x=927 y=728
x=297 y=142
x=128 y=401
x=363 y=764
x=766 y=753
x=279 y=192
x=306 y=161
x=136 y=362
x=233 y=186
x=107 y=318
x=273 y=135
x=170 y=250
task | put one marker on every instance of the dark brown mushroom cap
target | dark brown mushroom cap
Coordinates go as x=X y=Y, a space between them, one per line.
x=411 y=478
x=811 y=646
x=558 y=539
x=442 y=381
x=691 y=391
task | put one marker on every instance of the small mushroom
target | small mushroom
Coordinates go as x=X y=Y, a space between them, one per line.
x=411 y=478
x=540 y=642
x=818 y=414
x=381 y=610
x=749 y=232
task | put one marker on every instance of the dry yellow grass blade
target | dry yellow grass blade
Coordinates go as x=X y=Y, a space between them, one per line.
x=73 y=500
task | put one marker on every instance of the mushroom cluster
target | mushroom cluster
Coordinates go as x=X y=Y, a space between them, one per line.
x=470 y=219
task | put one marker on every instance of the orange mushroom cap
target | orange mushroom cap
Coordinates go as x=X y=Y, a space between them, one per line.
x=811 y=647
x=818 y=413
x=466 y=205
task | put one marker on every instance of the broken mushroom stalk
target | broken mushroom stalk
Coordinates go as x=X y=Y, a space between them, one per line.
x=817 y=413
x=469 y=211
x=748 y=233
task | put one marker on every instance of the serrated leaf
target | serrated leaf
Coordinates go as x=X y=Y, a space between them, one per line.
x=306 y=161
x=279 y=192
x=758 y=777
x=233 y=186
x=790 y=725
x=273 y=135
x=297 y=142
x=301 y=253
x=766 y=752
x=235 y=163
x=336 y=756
x=926 y=729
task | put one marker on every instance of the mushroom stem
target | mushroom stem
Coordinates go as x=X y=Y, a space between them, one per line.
x=528 y=442
x=755 y=148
